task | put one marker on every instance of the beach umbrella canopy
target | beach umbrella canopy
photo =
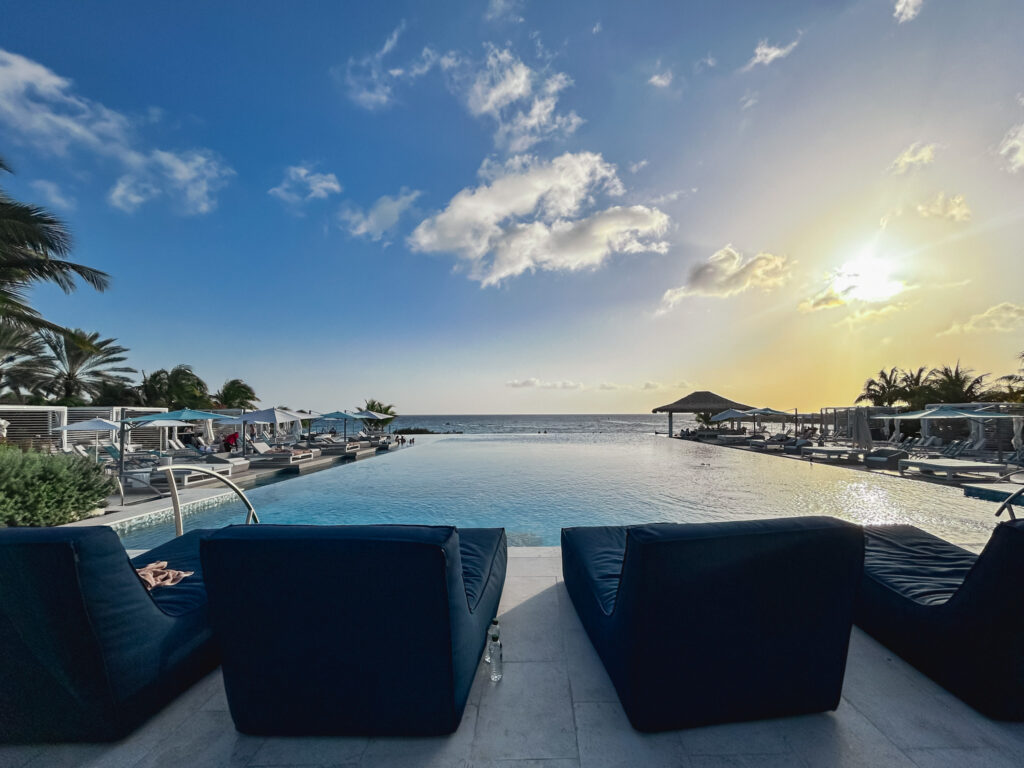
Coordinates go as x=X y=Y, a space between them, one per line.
x=700 y=402
x=337 y=416
x=269 y=416
x=184 y=414
x=92 y=425
x=164 y=424
x=942 y=412
x=729 y=414
x=861 y=436
x=1018 y=432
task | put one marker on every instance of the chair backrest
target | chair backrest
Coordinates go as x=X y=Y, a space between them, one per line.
x=755 y=592
x=73 y=621
x=317 y=623
x=260 y=447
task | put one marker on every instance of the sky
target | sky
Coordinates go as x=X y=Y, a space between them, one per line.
x=514 y=206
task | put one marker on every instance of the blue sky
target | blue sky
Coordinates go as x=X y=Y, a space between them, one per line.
x=531 y=207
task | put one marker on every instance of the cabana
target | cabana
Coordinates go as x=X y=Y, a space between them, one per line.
x=701 y=401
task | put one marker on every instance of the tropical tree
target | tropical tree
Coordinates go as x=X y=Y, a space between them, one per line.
x=704 y=418
x=75 y=366
x=177 y=388
x=379 y=407
x=19 y=349
x=915 y=390
x=34 y=245
x=236 y=394
x=956 y=384
x=885 y=390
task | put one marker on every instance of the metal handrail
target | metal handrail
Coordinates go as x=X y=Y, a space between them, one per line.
x=170 y=469
x=1008 y=502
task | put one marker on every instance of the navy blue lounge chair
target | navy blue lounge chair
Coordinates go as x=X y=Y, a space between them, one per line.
x=718 y=622
x=351 y=630
x=885 y=458
x=956 y=616
x=86 y=653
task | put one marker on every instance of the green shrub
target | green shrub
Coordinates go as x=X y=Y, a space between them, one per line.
x=41 y=489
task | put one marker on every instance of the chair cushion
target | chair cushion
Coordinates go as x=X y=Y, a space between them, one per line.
x=600 y=551
x=915 y=564
x=478 y=546
x=181 y=554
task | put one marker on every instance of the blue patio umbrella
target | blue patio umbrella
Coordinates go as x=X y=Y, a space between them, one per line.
x=344 y=416
x=183 y=414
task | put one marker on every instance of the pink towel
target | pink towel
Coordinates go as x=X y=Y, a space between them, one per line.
x=159 y=575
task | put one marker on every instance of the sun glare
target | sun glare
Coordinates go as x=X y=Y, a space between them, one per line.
x=867 y=278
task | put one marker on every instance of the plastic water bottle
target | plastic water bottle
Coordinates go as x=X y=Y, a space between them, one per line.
x=494 y=651
x=492 y=631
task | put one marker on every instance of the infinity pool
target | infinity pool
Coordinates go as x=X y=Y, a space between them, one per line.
x=533 y=485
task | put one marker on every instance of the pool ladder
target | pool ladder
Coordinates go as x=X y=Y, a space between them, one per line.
x=250 y=516
x=1008 y=503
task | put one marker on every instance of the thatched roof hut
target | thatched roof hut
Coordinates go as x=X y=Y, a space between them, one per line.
x=699 y=402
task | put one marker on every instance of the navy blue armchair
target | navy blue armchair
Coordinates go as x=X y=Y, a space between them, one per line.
x=718 y=622
x=956 y=616
x=351 y=630
x=86 y=653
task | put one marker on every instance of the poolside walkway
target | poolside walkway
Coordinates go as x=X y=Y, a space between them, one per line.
x=556 y=708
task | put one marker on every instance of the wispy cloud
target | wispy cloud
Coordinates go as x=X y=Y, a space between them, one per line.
x=727 y=272
x=748 y=100
x=41 y=108
x=869 y=315
x=522 y=101
x=1012 y=148
x=54 y=195
x=505 y=10
x=538 y=384
x=671 y=197
x=708 y=62
x=953 y=208
x=596 y=29
x=370 y=84
x=907 y=10
x=651 y=385
x=301 y=184
x=661 y=79
x=529 y=215
x=765 y=53
x=913 y=157
x=638 y=165
x=381 y=218
x=1001 y=318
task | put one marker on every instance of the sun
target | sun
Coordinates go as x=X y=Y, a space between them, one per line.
x=867 y=278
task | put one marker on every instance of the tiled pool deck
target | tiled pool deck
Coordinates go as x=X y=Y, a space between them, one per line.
x=556 y=708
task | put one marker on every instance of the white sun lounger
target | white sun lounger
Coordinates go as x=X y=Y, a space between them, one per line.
x=952 y=467
x=846 y=453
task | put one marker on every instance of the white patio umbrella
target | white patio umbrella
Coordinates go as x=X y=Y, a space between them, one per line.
x=4 y=424
x=92 y=425
x=861 y=436
x=1018 y=432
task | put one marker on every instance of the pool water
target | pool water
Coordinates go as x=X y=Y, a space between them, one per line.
x=533 y=485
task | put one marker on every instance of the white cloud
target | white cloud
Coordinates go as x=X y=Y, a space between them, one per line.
x=862 y=317
x=671 y=197
x=638 y=165
x=649 y=385
x=708 y=62
x=527 y=215
x=41 y=108
x=952 y=208
x=537 y=383
x=765 y=54
x=382 y=216
x=661 y=79
x=301 y=184
x=727 y=272
x=519 y=99
x=53 y=194
x=371 y=85
x=1001 y=318
x=906 y=10
x=504 y=10
x=596 y=29
x=913 y=157
x=1012 y=148
x=608 y=386
x=748 y=100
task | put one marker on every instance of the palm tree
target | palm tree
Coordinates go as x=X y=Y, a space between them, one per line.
x=19 y=350
x=177 y=388
x=236 y=394
x=956 y=384
x=34 y=245
x=914 y=388
x=885 y=390
x=74 y=372
x=378 y=407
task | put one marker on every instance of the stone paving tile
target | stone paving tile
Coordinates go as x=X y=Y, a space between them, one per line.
x=208 y=739
x=751 y=761
x=436 y=752
x=759 y=737
x=985 y=757
x=280 y=751
x=529 y=616
x=527 y=715
x=607 y=740
x=18 y=755
x=842 y=739
x=534 y=566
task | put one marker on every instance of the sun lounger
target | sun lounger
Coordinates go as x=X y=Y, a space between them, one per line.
x=833 y=453
x=956 y=616
x=885 y=458
x=352 y=630
x=951 y=467
x=88 y=654
x=717 y=622
x=266 y=454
